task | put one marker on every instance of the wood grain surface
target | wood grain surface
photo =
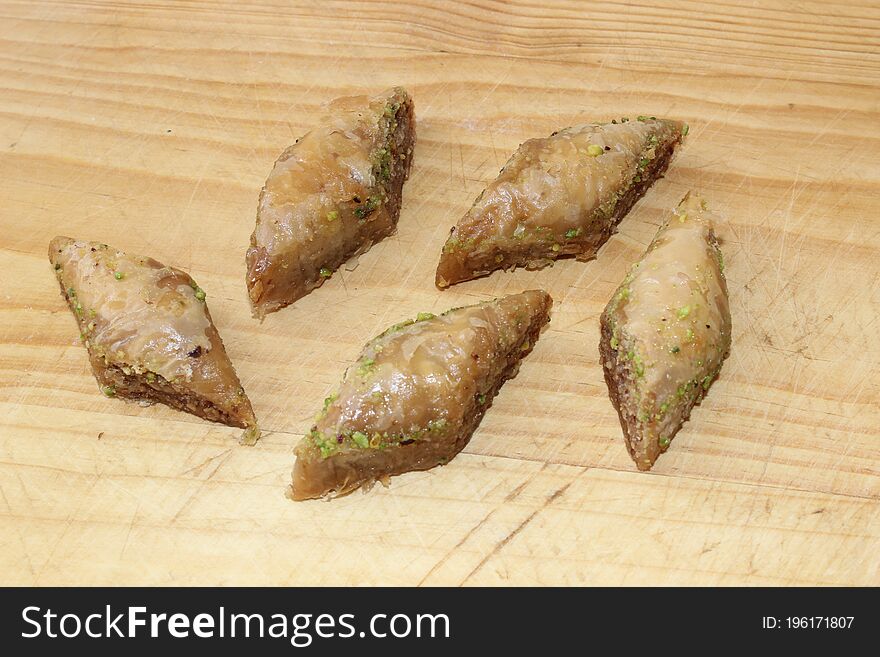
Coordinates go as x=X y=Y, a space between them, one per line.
x=152 y=126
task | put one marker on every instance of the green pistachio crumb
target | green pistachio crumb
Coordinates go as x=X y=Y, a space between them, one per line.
x=327 y=446
x=71 y=292
x=684 y=311
x=640 y=367
x=594 y=150
x=424 y=316
x=329 y=400
x=333 y=215
x=664 y=442
x=110 y=390
x=572 y=232
x=685 y=129
x=614 y=343
x=360 y=439
x=481 y=399
x=151 y=378
x=325 y=273
x=690 y=335
x=366 y=367
x=200 y=294
x=707 y=381
x=555 y=248
x=118 y=275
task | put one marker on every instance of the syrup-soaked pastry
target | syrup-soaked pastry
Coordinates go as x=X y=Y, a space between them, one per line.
x=562 y=195
x=330 y=197
x=149 y=334
x=416 y=394
x=666 y=331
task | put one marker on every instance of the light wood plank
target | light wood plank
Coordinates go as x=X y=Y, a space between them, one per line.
x=152 y=127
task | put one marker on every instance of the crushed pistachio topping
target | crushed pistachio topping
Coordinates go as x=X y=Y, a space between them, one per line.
x=330 y=444
x=684 y=311
x=360 y=439
x=424 y=316
x=594 y=150
x=367 y=367
x=664 y=442
x=383 y=164
x=327 y=446
x=110 y=390
x=685 y=129
x=640 y=366
x=333 y=215
x=362 y=211
x=325 y=273
x=572 y=232
x=200 y=293
x=118 y=275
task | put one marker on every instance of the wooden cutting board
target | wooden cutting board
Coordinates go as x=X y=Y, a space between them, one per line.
x=152 y=127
